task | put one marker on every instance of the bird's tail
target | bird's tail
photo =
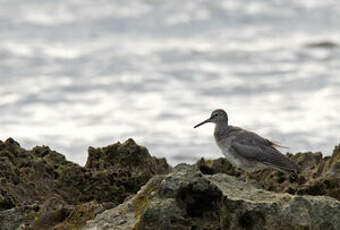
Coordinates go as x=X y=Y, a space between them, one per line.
x=278 y=145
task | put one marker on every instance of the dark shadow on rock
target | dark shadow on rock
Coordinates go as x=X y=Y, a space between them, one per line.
x=199 y=198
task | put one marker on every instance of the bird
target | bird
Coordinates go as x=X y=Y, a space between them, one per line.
x=245 y=149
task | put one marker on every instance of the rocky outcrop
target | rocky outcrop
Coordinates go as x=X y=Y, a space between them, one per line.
x=40 y=189
x=187 y=199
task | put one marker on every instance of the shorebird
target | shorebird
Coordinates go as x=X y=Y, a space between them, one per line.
x=247 y=150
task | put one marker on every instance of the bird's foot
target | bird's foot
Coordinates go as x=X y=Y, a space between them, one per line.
x=247 y=178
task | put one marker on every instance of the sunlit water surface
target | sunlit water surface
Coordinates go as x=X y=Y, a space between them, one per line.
x=78 y=73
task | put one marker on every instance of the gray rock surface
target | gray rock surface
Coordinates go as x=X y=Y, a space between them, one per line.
x=187 y=199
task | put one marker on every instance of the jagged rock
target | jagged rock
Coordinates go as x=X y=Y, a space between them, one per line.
x=41 y=190
x=42 y=176
x=53 y=211
x=332 y=165
x=134 y=159
x=18 y=217
x=220 y=165
x=187 y=199
x=79 y=215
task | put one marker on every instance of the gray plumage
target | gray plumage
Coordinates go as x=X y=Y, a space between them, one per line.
x=245 y=149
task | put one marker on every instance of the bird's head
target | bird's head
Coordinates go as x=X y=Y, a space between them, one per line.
x=217 y=116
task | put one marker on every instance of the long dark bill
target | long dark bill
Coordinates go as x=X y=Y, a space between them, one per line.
x=203 y=122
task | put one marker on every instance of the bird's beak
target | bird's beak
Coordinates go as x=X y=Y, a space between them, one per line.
x=203 y=122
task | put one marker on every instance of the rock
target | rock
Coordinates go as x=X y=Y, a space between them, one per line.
x=332 y=164
x=41 y=190
x=18 y=217
x=220 y=165
x=60 y=190
x=79 y=215
x=188 y=199
x=53 y=211
x=133 y=158
x=324 y=179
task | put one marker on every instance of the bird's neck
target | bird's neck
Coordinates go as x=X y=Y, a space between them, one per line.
x=221 y=130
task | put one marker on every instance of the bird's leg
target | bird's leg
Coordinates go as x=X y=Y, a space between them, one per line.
x=247 y=177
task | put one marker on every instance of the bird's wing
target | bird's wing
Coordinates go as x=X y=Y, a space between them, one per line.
x=255 y=148
x=241 y=132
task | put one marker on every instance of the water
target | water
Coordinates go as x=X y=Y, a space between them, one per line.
x=78 y=73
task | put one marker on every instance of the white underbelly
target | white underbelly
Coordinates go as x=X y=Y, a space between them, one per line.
x=243 y=164
x=232 y=159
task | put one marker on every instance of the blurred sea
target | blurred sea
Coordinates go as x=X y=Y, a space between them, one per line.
x=75 y=73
